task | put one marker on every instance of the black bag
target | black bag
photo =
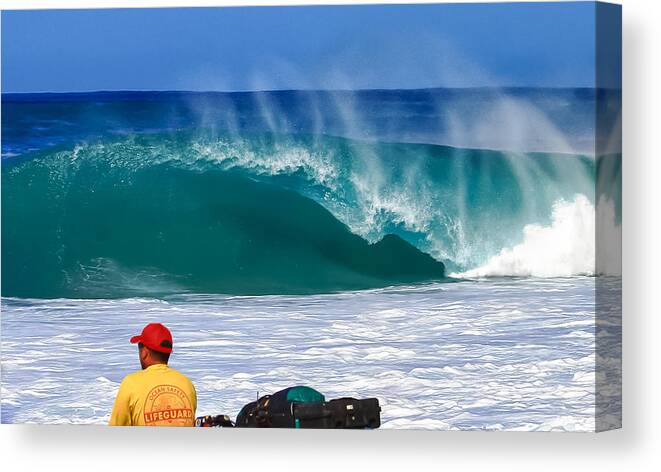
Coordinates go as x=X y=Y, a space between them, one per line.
x=303 y=407
x=343 y=413
x=258 y=414
x=276 y=411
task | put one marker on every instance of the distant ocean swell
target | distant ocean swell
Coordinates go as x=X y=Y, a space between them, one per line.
x=268 y=213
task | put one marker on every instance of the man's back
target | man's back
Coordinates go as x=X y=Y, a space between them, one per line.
x=155 y=396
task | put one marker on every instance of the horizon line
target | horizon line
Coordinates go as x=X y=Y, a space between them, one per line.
x=375 y=89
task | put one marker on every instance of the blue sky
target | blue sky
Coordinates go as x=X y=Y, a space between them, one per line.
x=375 y=46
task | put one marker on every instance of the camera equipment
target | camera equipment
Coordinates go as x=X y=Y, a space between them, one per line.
x=218 y=421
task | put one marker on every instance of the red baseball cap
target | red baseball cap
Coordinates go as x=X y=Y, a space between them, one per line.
x=155 y=336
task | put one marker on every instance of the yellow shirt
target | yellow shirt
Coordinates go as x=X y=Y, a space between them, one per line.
x=155 y=396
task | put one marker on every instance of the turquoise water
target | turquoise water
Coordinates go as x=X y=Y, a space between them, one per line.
x=180 y=212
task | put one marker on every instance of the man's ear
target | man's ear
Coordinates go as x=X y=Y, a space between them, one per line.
x=144 y=354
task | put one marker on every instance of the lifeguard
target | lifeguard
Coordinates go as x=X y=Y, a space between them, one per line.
x=157 y=395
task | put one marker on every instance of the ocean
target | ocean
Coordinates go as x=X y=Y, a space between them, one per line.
x=433 y=248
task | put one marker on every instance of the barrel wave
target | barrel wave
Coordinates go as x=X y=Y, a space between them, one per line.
x=265 y=213
x=94 y=223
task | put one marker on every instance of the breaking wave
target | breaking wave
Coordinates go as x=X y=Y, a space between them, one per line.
x=267 y=213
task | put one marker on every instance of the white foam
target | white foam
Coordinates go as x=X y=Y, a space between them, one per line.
x=564 y=248
x=378 y=343
x=283 y=159
x=380 y=203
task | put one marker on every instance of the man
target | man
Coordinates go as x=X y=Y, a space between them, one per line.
x=157 y=395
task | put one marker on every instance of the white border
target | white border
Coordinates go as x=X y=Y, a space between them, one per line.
x=635 y=447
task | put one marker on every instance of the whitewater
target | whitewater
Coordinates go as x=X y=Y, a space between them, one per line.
x=505 y=354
